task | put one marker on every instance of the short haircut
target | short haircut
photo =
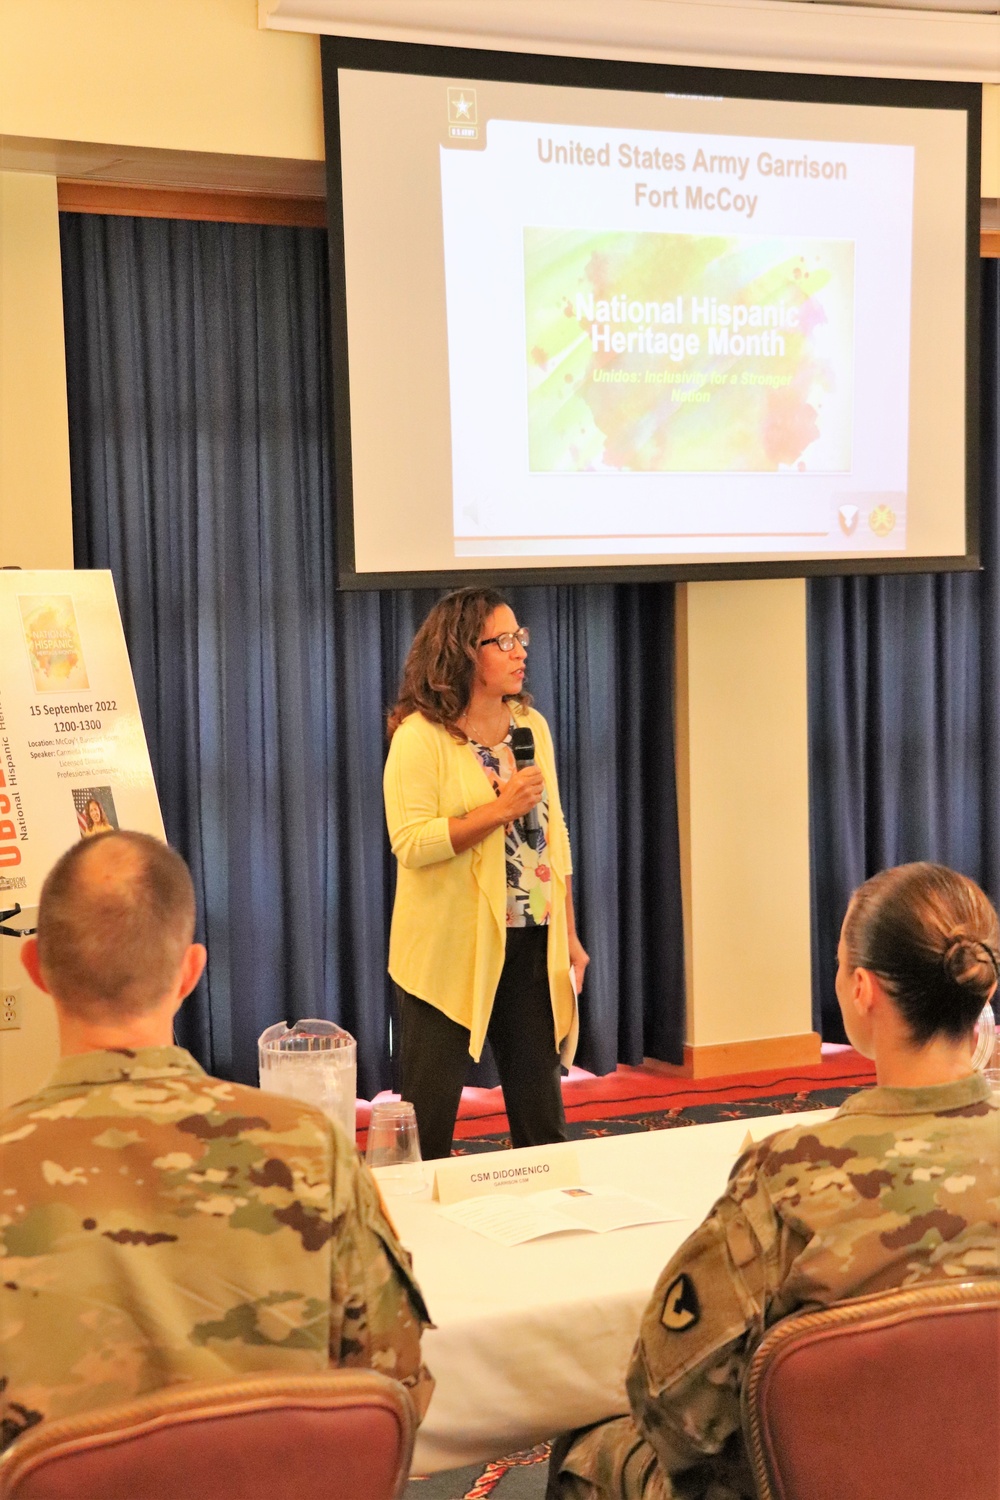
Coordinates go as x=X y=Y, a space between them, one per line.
x=931 y=936
x=115 y=918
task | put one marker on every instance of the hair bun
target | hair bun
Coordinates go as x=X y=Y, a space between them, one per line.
x=971 y=963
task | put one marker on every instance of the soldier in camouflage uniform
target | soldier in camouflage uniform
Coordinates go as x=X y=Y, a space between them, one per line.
x=158 y=1224
x=900 y=1188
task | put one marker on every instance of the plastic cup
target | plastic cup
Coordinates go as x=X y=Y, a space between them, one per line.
x=394 y=1147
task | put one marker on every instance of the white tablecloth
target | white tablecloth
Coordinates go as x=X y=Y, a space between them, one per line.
x=536 y=1338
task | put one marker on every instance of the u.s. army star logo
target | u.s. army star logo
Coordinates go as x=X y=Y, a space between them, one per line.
x=681 y=1308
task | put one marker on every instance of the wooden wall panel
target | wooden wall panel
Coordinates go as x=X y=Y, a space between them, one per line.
x=183 y=203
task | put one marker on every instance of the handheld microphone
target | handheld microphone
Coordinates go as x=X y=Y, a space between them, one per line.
x=522 y=743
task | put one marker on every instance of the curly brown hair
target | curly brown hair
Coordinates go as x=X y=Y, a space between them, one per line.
x=440 y=668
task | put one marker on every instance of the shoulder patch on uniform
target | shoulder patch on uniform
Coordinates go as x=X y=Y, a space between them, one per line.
x=681 y=1308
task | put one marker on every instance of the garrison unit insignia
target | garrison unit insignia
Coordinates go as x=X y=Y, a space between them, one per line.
x=681 y=1308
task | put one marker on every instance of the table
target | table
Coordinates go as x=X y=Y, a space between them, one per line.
x=536 y=1338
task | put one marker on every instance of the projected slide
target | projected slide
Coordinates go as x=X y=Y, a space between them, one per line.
x=655 y=337
x=670 y=353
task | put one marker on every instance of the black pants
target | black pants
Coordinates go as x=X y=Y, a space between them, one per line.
x=434 y=1053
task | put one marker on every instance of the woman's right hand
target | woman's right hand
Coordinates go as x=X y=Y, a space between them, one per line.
x=521 y=793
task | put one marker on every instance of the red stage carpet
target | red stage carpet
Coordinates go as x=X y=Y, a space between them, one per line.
x=643 y=1091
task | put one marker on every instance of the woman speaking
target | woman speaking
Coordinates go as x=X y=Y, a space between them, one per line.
x=483 y=934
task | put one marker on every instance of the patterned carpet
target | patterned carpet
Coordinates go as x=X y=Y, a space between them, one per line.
x=670 y=1119
x=651 y=1091
x=522 y=1476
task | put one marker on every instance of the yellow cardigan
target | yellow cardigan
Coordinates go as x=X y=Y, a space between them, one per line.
x=449 y=921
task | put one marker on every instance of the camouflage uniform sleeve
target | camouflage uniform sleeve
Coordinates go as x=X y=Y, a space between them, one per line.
x=702 y=1323
x=378 y=1312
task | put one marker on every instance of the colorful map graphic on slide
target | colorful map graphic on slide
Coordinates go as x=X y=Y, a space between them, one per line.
x=667 y=353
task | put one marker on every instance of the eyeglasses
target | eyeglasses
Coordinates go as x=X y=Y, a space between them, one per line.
x=506 y=640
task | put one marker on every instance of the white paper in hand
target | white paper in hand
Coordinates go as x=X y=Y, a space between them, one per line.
x=568 y=1045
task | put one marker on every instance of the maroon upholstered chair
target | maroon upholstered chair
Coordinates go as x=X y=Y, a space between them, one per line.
x=891 y=1397
x=339 y=1435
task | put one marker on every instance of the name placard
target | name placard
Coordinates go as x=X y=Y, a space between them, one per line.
x=529 y=1170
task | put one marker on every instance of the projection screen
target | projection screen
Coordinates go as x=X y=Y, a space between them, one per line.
x=608 y=320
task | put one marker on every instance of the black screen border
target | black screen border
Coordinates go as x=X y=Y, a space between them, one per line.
x=641 y=77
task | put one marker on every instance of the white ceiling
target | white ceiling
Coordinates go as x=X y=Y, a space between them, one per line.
x=948 y=39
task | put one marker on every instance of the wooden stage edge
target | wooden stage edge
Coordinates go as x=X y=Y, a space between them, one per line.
x=757 y=1056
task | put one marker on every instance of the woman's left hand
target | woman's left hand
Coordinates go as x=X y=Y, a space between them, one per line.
x=579 y=958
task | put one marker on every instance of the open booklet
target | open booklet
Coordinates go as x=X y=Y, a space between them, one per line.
x=512 y=1220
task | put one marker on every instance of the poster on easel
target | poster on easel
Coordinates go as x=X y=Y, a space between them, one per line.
x=73 y=756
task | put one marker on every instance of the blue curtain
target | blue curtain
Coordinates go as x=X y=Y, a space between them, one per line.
x=904 y=713
x=197 y=368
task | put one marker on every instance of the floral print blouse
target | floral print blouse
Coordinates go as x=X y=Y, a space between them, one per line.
x=529 y=879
